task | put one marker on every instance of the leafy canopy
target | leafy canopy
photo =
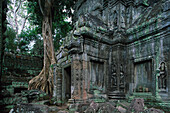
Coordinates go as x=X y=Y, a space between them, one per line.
x=61 y=10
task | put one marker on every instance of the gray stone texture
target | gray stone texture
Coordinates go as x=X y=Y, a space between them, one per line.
x=116 y=47
x=137 y=106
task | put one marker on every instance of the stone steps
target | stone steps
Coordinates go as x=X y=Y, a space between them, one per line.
x=116 y=96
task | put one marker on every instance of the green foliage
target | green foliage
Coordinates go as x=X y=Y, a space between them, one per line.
x=62 y=28
x=35 y=17
x=60 y=11
x=57 y=10
x=31 y=35
x=16 y=17
x=10 y=40
x=38 y=48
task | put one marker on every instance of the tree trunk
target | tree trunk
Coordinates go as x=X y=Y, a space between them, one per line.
x=44 y=81
x=3 y=27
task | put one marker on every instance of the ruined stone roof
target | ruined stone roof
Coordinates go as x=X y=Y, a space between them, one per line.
x=149 y=13
x=94 y=20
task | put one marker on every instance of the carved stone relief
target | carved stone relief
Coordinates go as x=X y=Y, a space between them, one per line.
x=113 y=76
x=117 y=78
x=122 y=16
x=162 y=79
x=122 y=76
x=76 y=67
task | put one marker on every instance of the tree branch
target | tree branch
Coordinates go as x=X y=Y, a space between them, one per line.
x=23 y=22
x=18 y=6
x=49 y=2
x=10 y=10
x=11 y=23
x=39 y=1
x=15 y=17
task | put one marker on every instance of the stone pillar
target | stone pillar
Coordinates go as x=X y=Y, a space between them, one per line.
x=76 y=79
x=168 y=78
x=156 y=85
x=131 y=87
x=57 y=80
x=55 y=83
x=85 y=76
x=131 y=73
x=110 y=69
x=59 y=85
x=80 y=78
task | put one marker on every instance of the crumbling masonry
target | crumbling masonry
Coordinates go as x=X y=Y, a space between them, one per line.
x=119 y=48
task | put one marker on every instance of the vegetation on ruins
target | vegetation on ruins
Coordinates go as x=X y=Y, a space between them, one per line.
x=28 y=22
x=17 y=18
x=50 y=15
x=114 y=57
x=25 y=26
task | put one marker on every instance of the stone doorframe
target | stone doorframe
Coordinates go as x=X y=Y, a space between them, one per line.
x=64 y=81
x=140 y=60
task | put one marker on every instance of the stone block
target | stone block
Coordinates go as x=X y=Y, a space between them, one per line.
x=153 y=110
x=137 y=106
x=30 y=108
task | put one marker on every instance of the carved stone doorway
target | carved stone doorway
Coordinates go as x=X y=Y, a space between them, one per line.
x=67 y=73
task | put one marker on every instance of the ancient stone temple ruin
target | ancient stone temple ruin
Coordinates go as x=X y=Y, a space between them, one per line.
x=117 y=49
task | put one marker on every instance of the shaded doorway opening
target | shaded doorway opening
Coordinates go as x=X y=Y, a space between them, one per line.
x=67 y=73
x=143 y=76
x=97 y=73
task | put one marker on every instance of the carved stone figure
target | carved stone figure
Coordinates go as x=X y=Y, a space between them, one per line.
x=97 y=10
x=122 y=19
x=122 y=77
x=115 y=18
x=113 y=76
x=162 y=78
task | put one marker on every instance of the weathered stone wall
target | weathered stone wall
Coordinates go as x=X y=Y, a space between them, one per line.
x=20 y=68
x=116 y=13
x=87 y=6
x=116 y=47
x=149 y=43
x=17 y=71
x=147 y=50
x=22 y=62
x=119 y=67
x=89 y=69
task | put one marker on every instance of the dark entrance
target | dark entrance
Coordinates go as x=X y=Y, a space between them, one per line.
x=143 y=76
x=97 y=72
x=67 y=73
